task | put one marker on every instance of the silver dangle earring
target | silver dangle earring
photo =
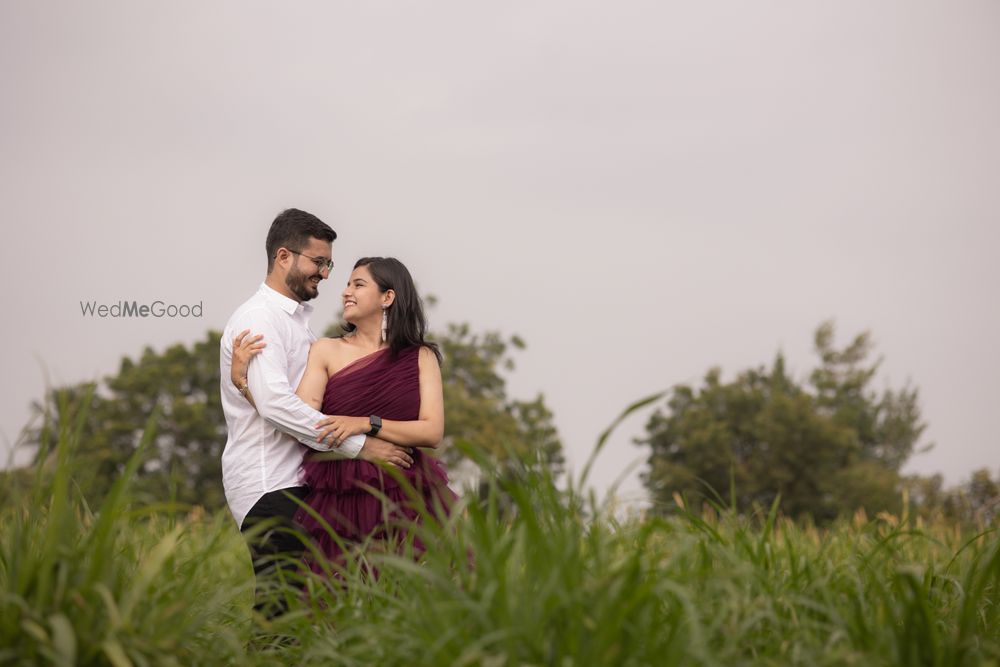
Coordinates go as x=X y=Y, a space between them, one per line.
x=385 y=324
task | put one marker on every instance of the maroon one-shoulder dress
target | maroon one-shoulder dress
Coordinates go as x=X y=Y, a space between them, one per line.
x=357 y=498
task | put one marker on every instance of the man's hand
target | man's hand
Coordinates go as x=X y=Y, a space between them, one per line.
x=379 y=451
x=338 y=428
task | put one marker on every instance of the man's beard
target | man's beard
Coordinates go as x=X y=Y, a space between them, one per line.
x=298 y=283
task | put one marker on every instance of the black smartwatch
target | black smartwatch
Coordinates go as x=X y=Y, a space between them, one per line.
x=376 y=423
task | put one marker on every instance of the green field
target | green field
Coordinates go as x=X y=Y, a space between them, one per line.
x=552 y=578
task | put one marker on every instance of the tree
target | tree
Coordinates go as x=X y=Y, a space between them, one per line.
x=184 y=460
x=826 y=449
x=887 y=427
x=975 y=501
x=480 y=414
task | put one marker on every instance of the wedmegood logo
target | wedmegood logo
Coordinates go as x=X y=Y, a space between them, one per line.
x=136 y=309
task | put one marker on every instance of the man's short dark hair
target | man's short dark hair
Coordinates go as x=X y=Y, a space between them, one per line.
x=293 y=229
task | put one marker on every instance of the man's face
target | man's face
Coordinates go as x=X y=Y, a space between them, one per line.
x=308 y=268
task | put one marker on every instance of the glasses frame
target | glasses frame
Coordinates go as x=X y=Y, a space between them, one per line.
x=320 y=262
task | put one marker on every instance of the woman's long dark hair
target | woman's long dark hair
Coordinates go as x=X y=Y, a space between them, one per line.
x=406 y=325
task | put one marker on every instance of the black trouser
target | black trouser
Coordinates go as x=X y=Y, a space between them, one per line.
x=277 y=550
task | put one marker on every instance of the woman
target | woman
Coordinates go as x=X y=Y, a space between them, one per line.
x=381 y=378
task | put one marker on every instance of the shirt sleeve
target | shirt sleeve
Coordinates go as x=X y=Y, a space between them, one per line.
x=276 y=400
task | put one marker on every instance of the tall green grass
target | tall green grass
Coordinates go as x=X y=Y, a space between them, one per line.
x=545 y=577
x=122 y=584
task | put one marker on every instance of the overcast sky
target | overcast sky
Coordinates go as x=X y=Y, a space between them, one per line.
x=640 y=190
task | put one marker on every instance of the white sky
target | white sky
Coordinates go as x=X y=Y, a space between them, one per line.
x=640 y=189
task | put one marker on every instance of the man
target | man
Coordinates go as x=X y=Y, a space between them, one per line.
x=264 y=450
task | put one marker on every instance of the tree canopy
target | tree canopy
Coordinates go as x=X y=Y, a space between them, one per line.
x=826 y=446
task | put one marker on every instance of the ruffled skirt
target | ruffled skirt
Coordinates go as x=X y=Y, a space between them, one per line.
x=361 y=502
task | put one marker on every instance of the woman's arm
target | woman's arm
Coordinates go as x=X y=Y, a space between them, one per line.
x=312 y=386
x=244 y=350
x=313 y=382
x=426 y=430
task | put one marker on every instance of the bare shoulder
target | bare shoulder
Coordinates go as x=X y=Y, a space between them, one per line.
x=427 y=357
x=329 y=351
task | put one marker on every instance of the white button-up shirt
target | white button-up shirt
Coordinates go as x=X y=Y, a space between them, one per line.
x=261 y=453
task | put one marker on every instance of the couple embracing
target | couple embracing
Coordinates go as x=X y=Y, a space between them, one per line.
x=314 y=423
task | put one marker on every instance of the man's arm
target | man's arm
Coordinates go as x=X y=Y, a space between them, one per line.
x=277 y=403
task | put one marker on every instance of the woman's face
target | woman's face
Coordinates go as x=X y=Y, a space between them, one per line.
x=362 y=297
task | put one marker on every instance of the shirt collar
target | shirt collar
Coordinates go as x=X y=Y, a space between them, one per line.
x=290 y=306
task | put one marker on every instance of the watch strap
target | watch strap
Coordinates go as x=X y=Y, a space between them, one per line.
x=376 y=425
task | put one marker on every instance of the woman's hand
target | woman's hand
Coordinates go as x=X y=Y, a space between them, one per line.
x=245 y=348
x=338 y=428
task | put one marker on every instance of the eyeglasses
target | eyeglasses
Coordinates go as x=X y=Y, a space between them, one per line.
x=320 y=262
